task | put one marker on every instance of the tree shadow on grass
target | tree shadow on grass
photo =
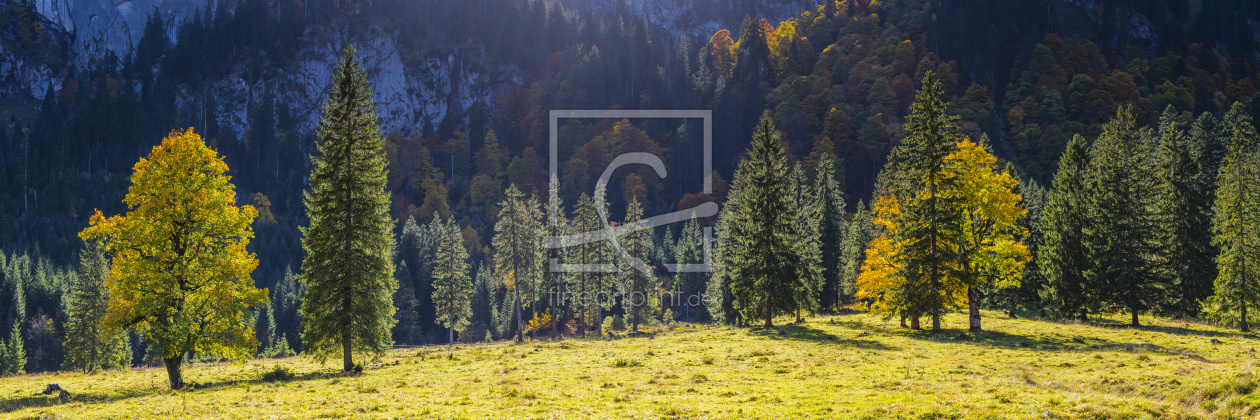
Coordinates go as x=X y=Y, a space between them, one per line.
x=36 y=400
x=805 y=333
x=1184 y=331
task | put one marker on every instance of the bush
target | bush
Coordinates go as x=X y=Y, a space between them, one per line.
x=278 y=374
x=614 y=323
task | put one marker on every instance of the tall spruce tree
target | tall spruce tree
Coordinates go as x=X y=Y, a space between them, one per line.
x=1208 y=144
x=929 y=222
x=832 y=232
x=1062 y=257
x=1026 y=297
x=481 y=307
x=1125 y=238
x=87 y=347
x=858 y=236
x=638 y=287
x=807 y=240
x=349 y=276
x=1236 y=227
x=452 y=288
x=557 y=287
x=287 y=298
x=1184 y=201
x=518 y=250
x=761 y=261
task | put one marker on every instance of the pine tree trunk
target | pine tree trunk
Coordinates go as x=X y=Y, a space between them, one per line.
x=1244 y=326
x=347 y=361
x=973 y=299
x=174 y=372
x=520 y=331
x=451 y=341
x=1135 y=318
x=599 y=318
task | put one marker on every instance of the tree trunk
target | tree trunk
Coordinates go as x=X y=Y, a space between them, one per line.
x=973 y=298
x=903 y=321
x=533 y=314
x=599 y=318
x=174 y=371
x=347 y=360
x=520 y=330
x=1135 y=318
x=1244 y=325
x=451 y=341
x=914 y=323
x=936 y=322
x=769 y=318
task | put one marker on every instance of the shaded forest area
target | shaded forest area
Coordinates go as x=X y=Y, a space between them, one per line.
x=838 y=80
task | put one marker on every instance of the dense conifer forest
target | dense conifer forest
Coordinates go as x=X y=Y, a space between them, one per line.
x=908 y=158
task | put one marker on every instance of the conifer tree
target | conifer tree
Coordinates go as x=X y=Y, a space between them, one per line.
x=760 y=258
x=481 y=307
x=349 y=276
x=1027 y=296
x=929 y=222
x=15 y=352
x=1208 y=144
x=407 y=328
x=1125 y=237
x=452 y=287
x=1184 y=202
x=1236 y=227
x=638 y=288
x=807 y=240
x=518 y=250
x=557 y=284
x=856 y=239
x=689 y=250
x=722 y=283
x=584 y=282
x=287 y=297
x=832 y=232
x=1062 y=258
x=87 y=348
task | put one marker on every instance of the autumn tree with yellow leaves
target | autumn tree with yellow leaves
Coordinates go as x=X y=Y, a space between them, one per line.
x=960 y=234
x=181 y=271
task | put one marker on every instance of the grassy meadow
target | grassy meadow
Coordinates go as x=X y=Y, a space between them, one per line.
x=844 y=366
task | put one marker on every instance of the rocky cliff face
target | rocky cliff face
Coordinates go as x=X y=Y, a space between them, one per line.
x=412 y=88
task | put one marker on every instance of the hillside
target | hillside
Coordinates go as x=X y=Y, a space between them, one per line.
x=846 y=366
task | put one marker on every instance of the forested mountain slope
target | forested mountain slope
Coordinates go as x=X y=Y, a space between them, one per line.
x=463 y=88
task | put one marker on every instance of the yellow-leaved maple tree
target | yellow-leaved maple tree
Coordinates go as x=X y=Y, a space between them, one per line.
x=990 y=251
x=988 y=247
x=181 y=273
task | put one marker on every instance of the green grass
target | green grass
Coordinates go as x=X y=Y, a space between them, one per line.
x=847 y=366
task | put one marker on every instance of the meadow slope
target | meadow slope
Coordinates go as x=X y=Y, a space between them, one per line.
x=844 y=366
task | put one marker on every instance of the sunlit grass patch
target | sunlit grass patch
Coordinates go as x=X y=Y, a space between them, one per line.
x=844 y=366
